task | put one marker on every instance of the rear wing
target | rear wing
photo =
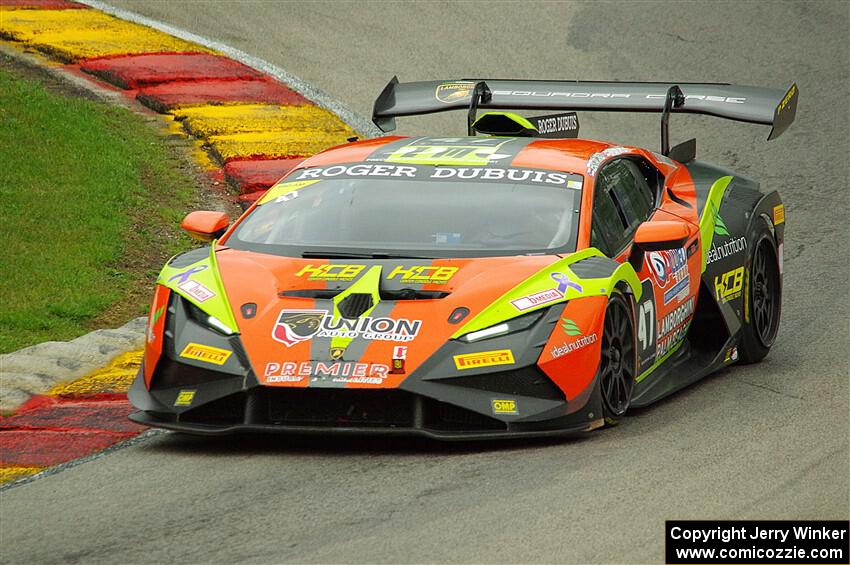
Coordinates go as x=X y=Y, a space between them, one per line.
x=767 y=106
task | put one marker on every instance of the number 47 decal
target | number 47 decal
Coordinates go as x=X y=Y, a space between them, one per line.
x=646 y=325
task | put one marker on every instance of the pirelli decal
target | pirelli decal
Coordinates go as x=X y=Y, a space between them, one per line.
x=206 y=353
x=484 y=359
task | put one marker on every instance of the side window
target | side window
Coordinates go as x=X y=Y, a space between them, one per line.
x=607 y=231
x=622 y=200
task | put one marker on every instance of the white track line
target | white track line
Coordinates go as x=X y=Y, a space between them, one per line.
x=358 y=122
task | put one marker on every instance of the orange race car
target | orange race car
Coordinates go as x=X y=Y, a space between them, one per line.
x=518 y=282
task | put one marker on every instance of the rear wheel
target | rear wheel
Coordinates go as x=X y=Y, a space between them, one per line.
x=764 y=301
x=617 y=369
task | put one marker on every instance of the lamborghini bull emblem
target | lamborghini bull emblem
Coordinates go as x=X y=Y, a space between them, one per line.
x=295 y=326
x=454 y=91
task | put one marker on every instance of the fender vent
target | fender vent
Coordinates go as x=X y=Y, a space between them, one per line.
x=353 y=305
x=595 y=267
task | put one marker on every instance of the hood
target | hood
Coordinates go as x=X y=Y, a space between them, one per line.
x=362 y=323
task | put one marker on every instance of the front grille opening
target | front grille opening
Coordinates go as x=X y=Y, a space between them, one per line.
x=171 y=374
x=226 y=411
x=528 y=381
x=339 y=408
x=450 y=418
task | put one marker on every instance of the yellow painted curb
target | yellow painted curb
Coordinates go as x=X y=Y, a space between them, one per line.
x=206 y=121
x=8 y=474
x=115 y=377
x=273 y=145
x=71 y=35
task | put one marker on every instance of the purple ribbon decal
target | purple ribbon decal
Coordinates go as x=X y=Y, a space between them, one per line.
x=186 y=274
x=564 y=282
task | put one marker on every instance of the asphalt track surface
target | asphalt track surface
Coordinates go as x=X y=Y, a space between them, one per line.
x=765 y=441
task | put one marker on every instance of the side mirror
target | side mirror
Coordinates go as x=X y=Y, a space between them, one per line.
x=205 y=226
x=657 y=236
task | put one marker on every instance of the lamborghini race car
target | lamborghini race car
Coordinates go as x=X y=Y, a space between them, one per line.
x=515 y=281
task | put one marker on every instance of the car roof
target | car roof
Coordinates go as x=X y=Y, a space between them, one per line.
x=568 y=155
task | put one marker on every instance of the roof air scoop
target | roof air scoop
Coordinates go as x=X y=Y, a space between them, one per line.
x=560 y=126
x=355 y=305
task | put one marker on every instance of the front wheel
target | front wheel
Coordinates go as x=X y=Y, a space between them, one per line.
x=618 y=367
x=764 y=301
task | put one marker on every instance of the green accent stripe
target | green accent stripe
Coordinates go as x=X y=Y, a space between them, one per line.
x=708 y=220
x=501 y=309
x=229 y=318
x=663 y=358
x=368 y=283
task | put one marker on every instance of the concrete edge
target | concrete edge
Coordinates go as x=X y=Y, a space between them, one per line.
x=355 y=120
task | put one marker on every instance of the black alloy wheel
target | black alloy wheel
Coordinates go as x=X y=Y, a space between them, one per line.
x=617 y=368
x=765 y=289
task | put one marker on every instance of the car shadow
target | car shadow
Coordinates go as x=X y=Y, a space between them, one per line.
x=266 y=443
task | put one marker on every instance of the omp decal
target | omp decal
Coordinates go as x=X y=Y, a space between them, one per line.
x=184 y=398
x=294 y=326
x=779 y=214
x=196 y=290
x=729 y=285
x=484 y=359
x=505 y=406
x=335 y=371
x=450 y=92
x=206 y=353
x=282 y=189
x=330 y=272
x=548 y=296
x=708 y=220
x=423 y=274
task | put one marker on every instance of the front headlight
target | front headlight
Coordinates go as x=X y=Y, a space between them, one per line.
x=517 y=324
x=206 y=320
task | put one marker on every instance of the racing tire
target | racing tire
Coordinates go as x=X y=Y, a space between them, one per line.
x=763 y=308
x=618 y=359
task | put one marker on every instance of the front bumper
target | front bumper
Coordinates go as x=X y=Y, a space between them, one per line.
x=437 y=400
x=362 y=412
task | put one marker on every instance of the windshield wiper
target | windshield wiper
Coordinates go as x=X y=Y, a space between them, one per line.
x=344 y=255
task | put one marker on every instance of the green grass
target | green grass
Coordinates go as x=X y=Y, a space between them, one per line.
x=90 y=201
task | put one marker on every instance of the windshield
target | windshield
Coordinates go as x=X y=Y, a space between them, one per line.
x=416 y=211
